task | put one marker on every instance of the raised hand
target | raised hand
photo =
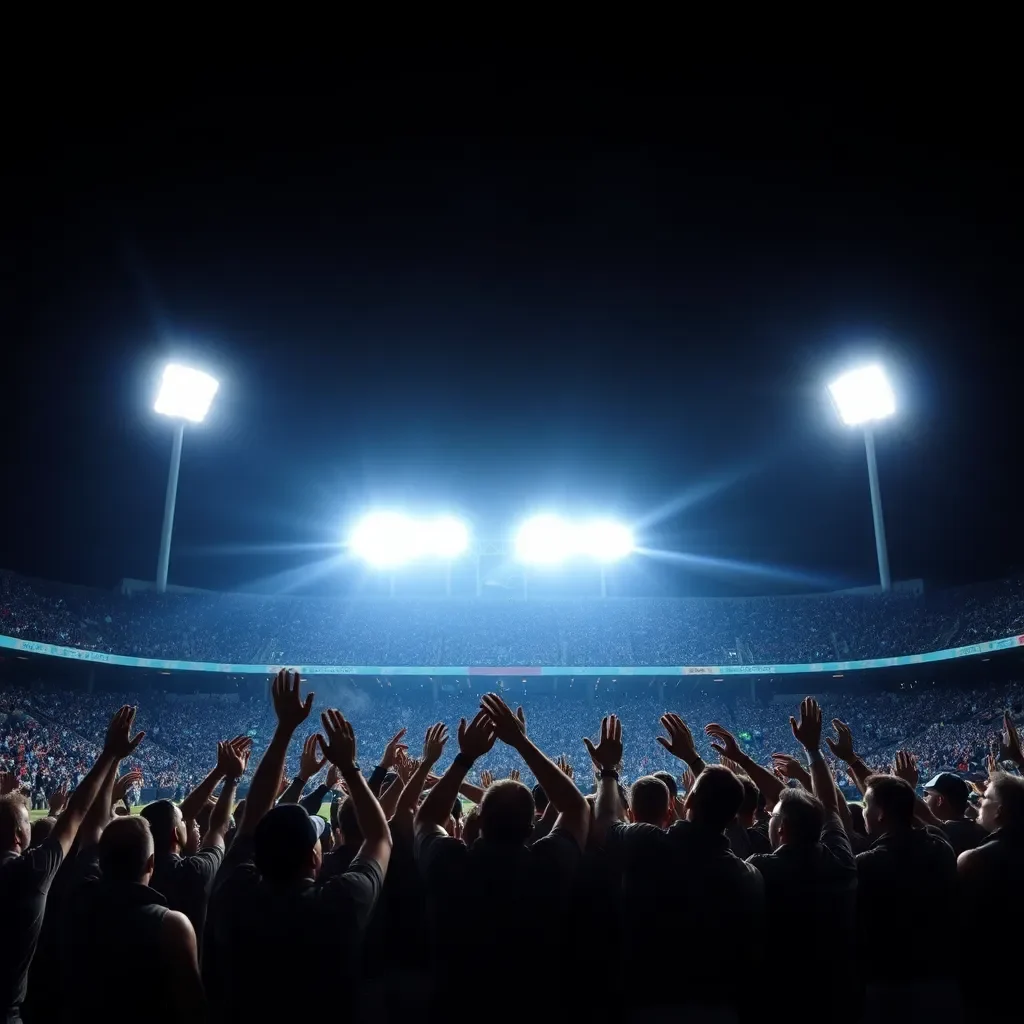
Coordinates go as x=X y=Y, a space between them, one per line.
x=340 y=745
x=58 y=798
x=607 y=754
x=310 y=763
x=787 y=767
x=434 y=743
x=333 y=781
x=564 y=767
x=477 y=738
x=992 y=764
x=842 y=745
x=393 y=749
x=486 y=779
x=124 y=783
x=508 y=728
x=726 y=746
x=687 y=779
x=290 y=708
x=514 y=775
x=233 y=756
x=679 y=742
x=119 y=742
x=905 y=767
x=1011 y=741
x=405 y=767
x=807 y=731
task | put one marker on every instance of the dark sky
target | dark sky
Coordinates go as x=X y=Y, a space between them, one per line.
x=453 y=294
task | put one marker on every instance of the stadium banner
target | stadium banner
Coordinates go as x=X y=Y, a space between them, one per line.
x=102 y=658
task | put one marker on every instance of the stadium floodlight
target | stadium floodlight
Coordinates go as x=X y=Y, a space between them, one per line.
x=445 y=537
x=543 y=540
x=185 y=395
x=605 y=540
x=387 y=539
x=863 y=397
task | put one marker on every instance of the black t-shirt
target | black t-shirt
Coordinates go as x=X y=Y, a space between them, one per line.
x=963 y=834
x=811 y=896
x=678 y=887
x=24 y=883
x=906 y=886
x=186 y=883
x=105 y=922
x=494 y=896
x=260 y=935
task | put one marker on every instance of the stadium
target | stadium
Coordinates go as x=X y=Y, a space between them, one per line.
x=511 y=632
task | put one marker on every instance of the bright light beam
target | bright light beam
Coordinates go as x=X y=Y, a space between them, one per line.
x=604 y=540
x=185 y=393
x=863 y=396
x=387 y=540
x=543 y=540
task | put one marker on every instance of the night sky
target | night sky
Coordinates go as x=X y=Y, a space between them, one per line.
x=621 y=297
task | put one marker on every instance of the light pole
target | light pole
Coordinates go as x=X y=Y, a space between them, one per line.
x=185 y=395
x=863 y=397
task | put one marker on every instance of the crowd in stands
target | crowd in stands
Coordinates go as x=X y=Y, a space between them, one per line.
x=249 y=629
x=950 y=727
x=651 y=865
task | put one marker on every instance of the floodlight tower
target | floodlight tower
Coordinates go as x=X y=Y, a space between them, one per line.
x=185 y=395
x=863 y=397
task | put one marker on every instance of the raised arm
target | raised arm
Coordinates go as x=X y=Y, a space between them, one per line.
x=118 y=744
x=98 y=816
x=842 y=747
x=679 y=742
x=340 y=749
x=433 y=747
x=725 y=745
x=607 y=758
x=291 y=712
x=571 y=804
x=905 y=767
x=807 y=733
x=475 y=740
x=198 y=798
x=310 y=764
x=232 y=760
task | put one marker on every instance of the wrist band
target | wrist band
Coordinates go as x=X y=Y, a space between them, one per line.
x=463 y=760
x=609 y=773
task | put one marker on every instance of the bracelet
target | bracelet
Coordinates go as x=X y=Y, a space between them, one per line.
x=463 y=760
x=609 y=773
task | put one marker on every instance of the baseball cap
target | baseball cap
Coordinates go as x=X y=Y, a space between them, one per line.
x=283 y=840
x=951 y=786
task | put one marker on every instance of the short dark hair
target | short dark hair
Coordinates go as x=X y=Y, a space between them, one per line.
x=750 y=795
x=670 y=780
x=507 y=811
x=857 y=817
x=125 y=848
x=650 y=798
x=895 y=798
x=803 y=815
x=160 y=815
x=715 y=798
x=41 y=828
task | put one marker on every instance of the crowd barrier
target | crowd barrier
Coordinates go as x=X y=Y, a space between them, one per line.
x=102 y=658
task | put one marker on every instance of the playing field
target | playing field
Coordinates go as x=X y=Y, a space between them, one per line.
x=325 y=811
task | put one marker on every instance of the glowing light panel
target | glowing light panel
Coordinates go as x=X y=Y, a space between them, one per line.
x=863 y=396
x=387 y=540
x=185 y=393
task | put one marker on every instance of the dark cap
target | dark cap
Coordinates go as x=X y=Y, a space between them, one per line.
x=951 y=786
x=282 y=842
